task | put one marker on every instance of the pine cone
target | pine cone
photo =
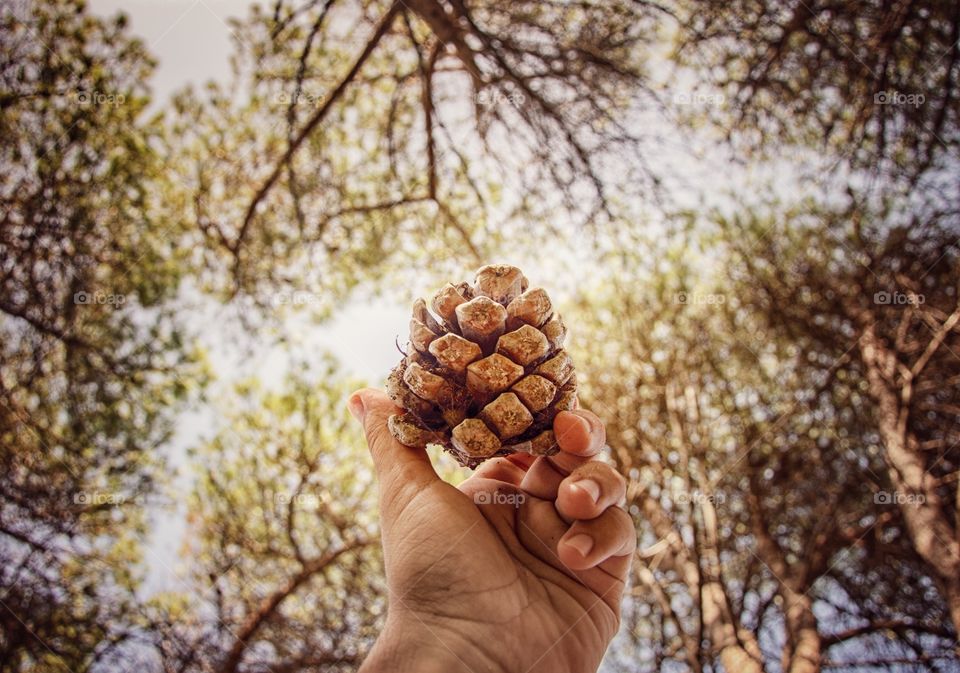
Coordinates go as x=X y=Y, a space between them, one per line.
x=487 y=373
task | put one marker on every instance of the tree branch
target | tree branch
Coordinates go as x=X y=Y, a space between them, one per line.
x=383 y=27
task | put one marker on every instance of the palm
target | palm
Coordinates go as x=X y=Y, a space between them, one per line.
x=530 y=579
x=493 y=569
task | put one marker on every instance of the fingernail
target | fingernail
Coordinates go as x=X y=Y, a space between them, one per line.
x=590 y=486
x=584 y=423
x=355 y=405
x=582 y=543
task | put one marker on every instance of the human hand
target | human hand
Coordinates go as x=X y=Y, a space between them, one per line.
x=520 y=569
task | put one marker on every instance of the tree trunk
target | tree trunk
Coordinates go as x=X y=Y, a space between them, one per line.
x=737 y=651
x=933 y=536
x=952 y=589
x=803 y=638
x=734 y=656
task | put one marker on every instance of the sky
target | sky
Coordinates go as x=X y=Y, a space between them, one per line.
x=192 y=42
x=191 y=38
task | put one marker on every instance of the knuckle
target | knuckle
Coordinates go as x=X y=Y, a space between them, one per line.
x=500 y=469
x=495 y=464
x=591 y=468
x=618 y=529
x=402 y=474
x=625 y=524
x=600 y=433
x=398 y=487
x=620 y=481
x=378 y=435
x=631 y=542
x=610 y=480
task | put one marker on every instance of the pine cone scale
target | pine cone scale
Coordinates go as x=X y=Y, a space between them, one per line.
x=486 y=375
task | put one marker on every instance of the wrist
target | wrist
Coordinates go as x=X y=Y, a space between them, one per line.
x=410 y=644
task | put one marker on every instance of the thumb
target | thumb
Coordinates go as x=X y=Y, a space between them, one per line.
x=402 y=471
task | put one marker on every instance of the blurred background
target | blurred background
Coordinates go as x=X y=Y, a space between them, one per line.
x=216 y=215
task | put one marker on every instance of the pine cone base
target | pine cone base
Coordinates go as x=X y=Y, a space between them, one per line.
x=485 y=371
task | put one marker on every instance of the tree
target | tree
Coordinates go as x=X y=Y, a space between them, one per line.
x=779 y=384
x=285 y=549
x=749 y=452
x=90 y=363
x=888 y=297
x=874 y=82
x=414 y=139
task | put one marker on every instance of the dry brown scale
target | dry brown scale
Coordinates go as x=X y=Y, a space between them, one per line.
x=485 y=371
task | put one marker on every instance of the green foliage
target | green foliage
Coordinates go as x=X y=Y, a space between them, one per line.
x=747 y=438
x=283 y=538
x=322 y=175
x=760 y=372
x=871 y=82
x=91 y=362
